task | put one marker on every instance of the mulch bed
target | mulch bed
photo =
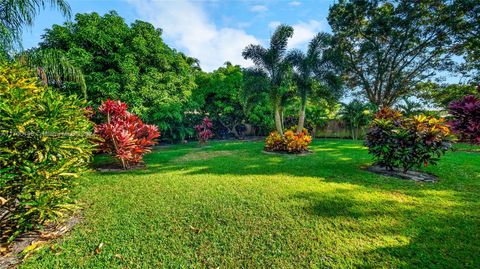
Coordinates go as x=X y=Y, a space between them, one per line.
x=416 y=176
x=12 y=255
x=117 y=167
x=303 y=153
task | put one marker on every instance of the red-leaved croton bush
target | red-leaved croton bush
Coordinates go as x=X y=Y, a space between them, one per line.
x=466 y=118
x=124 y=134
x=204 y=130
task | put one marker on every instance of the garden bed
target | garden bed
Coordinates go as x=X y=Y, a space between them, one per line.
x=417 y=176
x=303 y=153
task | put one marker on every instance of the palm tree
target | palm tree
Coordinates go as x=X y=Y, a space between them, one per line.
x=271 y=63
x=319 y=66
x=15 y=15
x=53 y=67
x=356 y=115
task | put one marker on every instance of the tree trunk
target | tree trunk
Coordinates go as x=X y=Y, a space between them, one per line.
x=278 y=121
x=301 y=119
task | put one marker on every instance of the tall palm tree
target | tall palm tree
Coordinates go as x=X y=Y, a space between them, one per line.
x=271 y=63
x=319 y=66
x=15 y=15
x=53 y=67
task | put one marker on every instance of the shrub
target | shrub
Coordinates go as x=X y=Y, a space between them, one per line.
x=398 y=141
x=291 y=141
x=466 y=118
x=204 y=130
x=124 y=135
x=44 y=144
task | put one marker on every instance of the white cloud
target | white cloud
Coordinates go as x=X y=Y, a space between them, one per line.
x=185 y=23
x=294 y=3
x=259 y=8
x=303 y=32
x=274 y=24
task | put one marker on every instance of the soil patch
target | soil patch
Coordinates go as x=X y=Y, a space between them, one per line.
x=12 y=255
x=410 y=175
x=303 y=153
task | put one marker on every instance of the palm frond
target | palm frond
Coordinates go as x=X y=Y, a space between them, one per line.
x=15 y=15
x=53 y=67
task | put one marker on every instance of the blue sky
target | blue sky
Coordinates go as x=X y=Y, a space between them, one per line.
x=214 y=31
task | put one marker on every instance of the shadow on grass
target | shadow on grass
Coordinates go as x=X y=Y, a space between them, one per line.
x=420 y=236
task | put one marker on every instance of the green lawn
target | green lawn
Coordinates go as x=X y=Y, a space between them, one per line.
x=229 y=205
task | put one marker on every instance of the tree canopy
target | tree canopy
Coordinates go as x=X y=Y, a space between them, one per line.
x=390 y=46
x=129 y=63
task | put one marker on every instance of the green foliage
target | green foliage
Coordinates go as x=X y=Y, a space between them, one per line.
x=317 y=68
x=398 y=141
x=218 y=96
x=131 y=64
x=44 y=144
x=55 y=69
x=272 y=64
x=388 y=47
x=356 y=115
x=18 y=14
x=443 y=95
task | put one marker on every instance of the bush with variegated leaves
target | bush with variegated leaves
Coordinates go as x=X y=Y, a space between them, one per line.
x=45 y=142
x=396 y=141
x=290 y=142
x=124 y=134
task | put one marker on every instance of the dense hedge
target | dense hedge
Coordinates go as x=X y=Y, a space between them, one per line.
x=44 y=144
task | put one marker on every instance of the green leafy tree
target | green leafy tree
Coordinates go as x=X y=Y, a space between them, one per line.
x=130 y=63
x=271 y=63
x=218 y=96
x=319 y=66
x=388 y=47
x=442 y=95
x=466 y=27
x=254 y=99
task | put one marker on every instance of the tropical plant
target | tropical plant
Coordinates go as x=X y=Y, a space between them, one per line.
x=317 y=66
x=124 y=134
x=16 y=15
x=204 y=130
x=442 y=95
x=218 y=95
x=291 y=141
x=45 y=142
x=409 y=107
x=466 y=118
x=271 y=63
x=356 y=115
x=388 y=47
x=397 y=141
x=129 y=63
x=55 y=69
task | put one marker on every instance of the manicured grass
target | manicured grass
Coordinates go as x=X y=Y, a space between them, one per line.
x=229 y=205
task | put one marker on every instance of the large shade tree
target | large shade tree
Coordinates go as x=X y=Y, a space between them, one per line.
x=389 y=46
x=318 y=67
x=129 y=63
x=466 y=28
x=271 y=63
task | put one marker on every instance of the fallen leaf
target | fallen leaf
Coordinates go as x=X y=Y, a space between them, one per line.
x=99 y=248
x=195 y=230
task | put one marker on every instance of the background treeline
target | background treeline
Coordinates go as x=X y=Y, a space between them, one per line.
x=386 y=54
